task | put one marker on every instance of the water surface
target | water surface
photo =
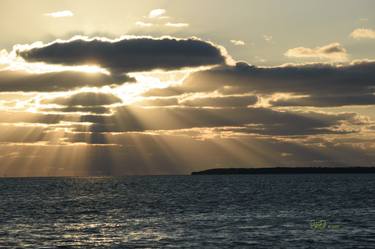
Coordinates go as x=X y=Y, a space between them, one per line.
x=249 y=211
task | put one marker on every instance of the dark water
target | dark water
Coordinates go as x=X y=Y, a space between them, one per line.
x=289 y=211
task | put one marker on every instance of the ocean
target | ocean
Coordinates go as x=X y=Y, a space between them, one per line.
x=233 y=211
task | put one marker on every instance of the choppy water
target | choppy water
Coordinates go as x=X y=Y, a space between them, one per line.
x=263 y=211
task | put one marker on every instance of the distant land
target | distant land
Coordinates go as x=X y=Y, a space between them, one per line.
x=287 y=170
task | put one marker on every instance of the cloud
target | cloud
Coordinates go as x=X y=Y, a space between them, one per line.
x=27 y=117
x=363 y=34
x=129 y=54
x=333 y=51
x=326 y=81
x=11 y=81
x=222 y=101
x=84 y=99
x=327 y=100
x=268 y=38
x=238 y=42
x=58 y=14
x=201 y=101
x=81 y=110
x=156 y=13
x=247 y=120
x=177 y=25
x=168 y=91
x=157 y=102
x=226 y=114
x=144 y=24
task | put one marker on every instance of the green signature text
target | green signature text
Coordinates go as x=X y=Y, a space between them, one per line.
x=323 y=225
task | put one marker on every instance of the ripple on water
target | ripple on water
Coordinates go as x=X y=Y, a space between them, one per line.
x=189 y=212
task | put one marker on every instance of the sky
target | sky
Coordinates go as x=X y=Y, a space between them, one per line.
x=142 y=87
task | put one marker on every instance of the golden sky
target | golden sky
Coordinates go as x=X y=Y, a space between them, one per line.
x=165 y=87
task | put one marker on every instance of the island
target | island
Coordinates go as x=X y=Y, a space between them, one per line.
x=287 y=170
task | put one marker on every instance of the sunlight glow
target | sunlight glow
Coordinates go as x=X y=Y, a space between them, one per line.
x=11 y=61
x=130 y=93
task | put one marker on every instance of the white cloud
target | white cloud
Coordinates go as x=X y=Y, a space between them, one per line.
x=267 y=38
x=363 y=34
x=156 y=13
x=144 y=24
x=177 y=25
x=57 y=14
x=238 y=42
x=333 y=52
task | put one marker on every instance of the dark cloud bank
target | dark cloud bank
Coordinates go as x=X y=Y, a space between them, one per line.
x=129 y=55
x=323 y=84
x=13 y=81
x=84 y=99
x=119 y=57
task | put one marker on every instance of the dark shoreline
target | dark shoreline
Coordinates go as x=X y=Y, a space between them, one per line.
x=286 y=170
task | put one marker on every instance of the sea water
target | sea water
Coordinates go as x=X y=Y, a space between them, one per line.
x=237 y=211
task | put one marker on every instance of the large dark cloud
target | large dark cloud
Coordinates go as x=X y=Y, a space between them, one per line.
x=336 y=85
x=84 y=99
x=11 y=81
x=129 y=54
